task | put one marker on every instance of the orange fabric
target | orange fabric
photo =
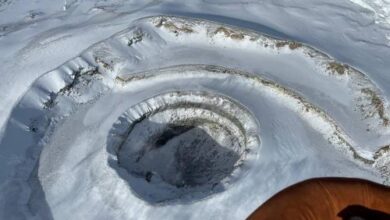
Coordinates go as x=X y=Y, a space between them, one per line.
x=326 y=198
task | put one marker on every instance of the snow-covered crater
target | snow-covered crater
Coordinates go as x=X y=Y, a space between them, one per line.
x=174 y=115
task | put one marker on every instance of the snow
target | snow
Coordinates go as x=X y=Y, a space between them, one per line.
x=380 y=8
x=302 y=86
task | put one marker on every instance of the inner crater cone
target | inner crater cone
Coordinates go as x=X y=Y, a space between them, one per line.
x=182 y=141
